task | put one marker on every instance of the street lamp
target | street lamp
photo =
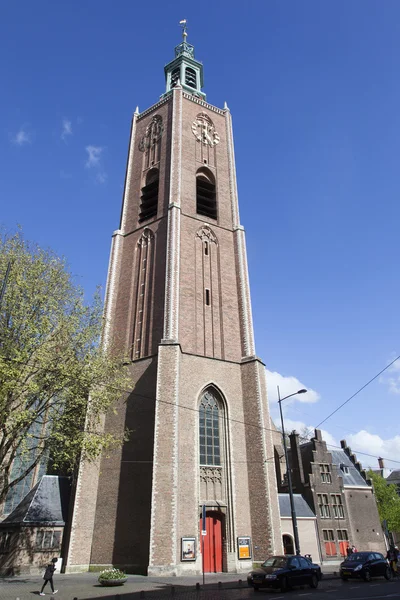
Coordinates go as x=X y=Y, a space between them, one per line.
x=289 y=475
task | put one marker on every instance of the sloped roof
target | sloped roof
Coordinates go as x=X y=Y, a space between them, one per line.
x=394 y=476
x=300 y=505
x=353 y=477
x=46 y=503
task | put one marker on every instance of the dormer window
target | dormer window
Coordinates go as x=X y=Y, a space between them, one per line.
x=344 y=468
x=175 y=76
x=190 y=77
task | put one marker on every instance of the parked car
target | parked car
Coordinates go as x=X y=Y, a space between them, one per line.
x=316 y=568
x=284 y=572
x=365 y=565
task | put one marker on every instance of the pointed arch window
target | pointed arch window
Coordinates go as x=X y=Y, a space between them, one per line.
x=191 y=77
x=175 y=76
x=206 y=195
x=149 y=196
x=209 y=414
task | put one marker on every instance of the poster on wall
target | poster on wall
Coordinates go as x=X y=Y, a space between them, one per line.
x=188 y=548
x=244 y=547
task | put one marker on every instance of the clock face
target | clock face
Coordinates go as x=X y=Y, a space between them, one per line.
x=204 y=130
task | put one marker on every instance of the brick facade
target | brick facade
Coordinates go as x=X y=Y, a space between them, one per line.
x=178 y=303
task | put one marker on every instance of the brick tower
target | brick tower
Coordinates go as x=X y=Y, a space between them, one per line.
x=178 y=301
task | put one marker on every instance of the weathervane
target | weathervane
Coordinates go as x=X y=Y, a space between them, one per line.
x=184 y=31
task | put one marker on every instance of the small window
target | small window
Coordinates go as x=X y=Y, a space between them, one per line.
x=323 y=504
x=328 y=535
x=206 y=248
x=207 y=297
x=191 y=77
x=5 y=538
x=206 y=196
x=344 y=468
x=338 y=511
x=325 y=471
x=149 y=196
x=342 y=535
x=48 y=539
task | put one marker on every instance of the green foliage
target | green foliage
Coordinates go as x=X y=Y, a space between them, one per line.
x=51 y=358
x=388 y=501
x=108 y=574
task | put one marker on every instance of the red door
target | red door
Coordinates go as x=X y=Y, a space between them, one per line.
x=213 y=543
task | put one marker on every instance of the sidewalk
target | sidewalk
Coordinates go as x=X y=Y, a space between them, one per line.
x=83 y=586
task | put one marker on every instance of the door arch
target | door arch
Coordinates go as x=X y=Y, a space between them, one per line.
x=212 y=542
x=288 y=545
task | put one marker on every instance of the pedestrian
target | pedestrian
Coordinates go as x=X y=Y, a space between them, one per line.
x=392 y=556
x=48 y=576
x=349 y=550
x=353 y=549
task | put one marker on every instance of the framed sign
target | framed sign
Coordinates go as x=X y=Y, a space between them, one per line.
x=188 y=549
x=244 y=547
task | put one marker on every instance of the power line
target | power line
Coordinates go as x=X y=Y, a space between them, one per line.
x=247 y=423
x=358 y=391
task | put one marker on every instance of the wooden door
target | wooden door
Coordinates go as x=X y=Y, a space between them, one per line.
x=213 y=543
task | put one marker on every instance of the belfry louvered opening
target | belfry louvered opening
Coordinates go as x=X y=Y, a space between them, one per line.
x=175 y=75
x=149 y=196
x=190 y=77
x=206 y=196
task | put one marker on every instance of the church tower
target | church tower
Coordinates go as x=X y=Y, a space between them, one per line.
x=178 y=302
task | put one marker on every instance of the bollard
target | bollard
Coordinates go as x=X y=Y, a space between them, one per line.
x=172 y=590
x=240 y=582
x=197 y=587
x=219 y=585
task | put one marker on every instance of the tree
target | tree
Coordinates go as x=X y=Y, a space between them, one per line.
x=51 y=359
x=387 y=500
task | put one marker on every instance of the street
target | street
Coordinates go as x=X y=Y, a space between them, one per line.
x=85 y=587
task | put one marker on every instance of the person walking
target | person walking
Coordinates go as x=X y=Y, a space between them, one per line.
x=392 y=556
x=48 y=576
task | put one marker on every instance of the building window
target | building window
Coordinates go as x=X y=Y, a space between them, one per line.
x=329 y=541
x=206 y=248
x=48 y=539
x=337 y=505
x=210 y=452
x=5 y=538
x=206 y=195
x=344 y=468
x=149 y=196
x=323 y=504
x=325 y=471
x=342 y=535
x=191 y=77
x=175 y=76
x=207 y=297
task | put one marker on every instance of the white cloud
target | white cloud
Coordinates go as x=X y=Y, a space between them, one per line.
x=101 y=177
x=94 y=155
x=371 y=443
x=21 y=138
x=288 y=385
x=302 y=428
x=66 y=129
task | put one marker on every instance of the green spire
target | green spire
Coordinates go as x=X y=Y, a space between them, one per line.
x=185 y=69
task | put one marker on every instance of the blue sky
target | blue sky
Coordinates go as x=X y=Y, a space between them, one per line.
x=315 y=94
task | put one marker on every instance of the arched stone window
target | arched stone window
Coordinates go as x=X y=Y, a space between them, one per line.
x=206 y=195
x=209 y=430
x=149 y=196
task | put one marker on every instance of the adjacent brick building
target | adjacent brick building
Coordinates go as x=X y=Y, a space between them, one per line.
x=338 y=491
x=178 y=303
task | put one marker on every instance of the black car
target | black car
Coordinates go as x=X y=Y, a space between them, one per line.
x=284 y=572
x=365 y=565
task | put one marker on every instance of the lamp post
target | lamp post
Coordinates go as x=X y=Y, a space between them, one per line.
x=289 y=475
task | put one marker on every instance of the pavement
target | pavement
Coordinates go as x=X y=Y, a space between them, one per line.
x=84 y=586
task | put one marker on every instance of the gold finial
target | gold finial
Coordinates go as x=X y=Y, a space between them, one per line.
x=184 y=31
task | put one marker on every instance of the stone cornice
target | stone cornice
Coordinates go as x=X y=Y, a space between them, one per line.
x=154 y=107
x=202 y=103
